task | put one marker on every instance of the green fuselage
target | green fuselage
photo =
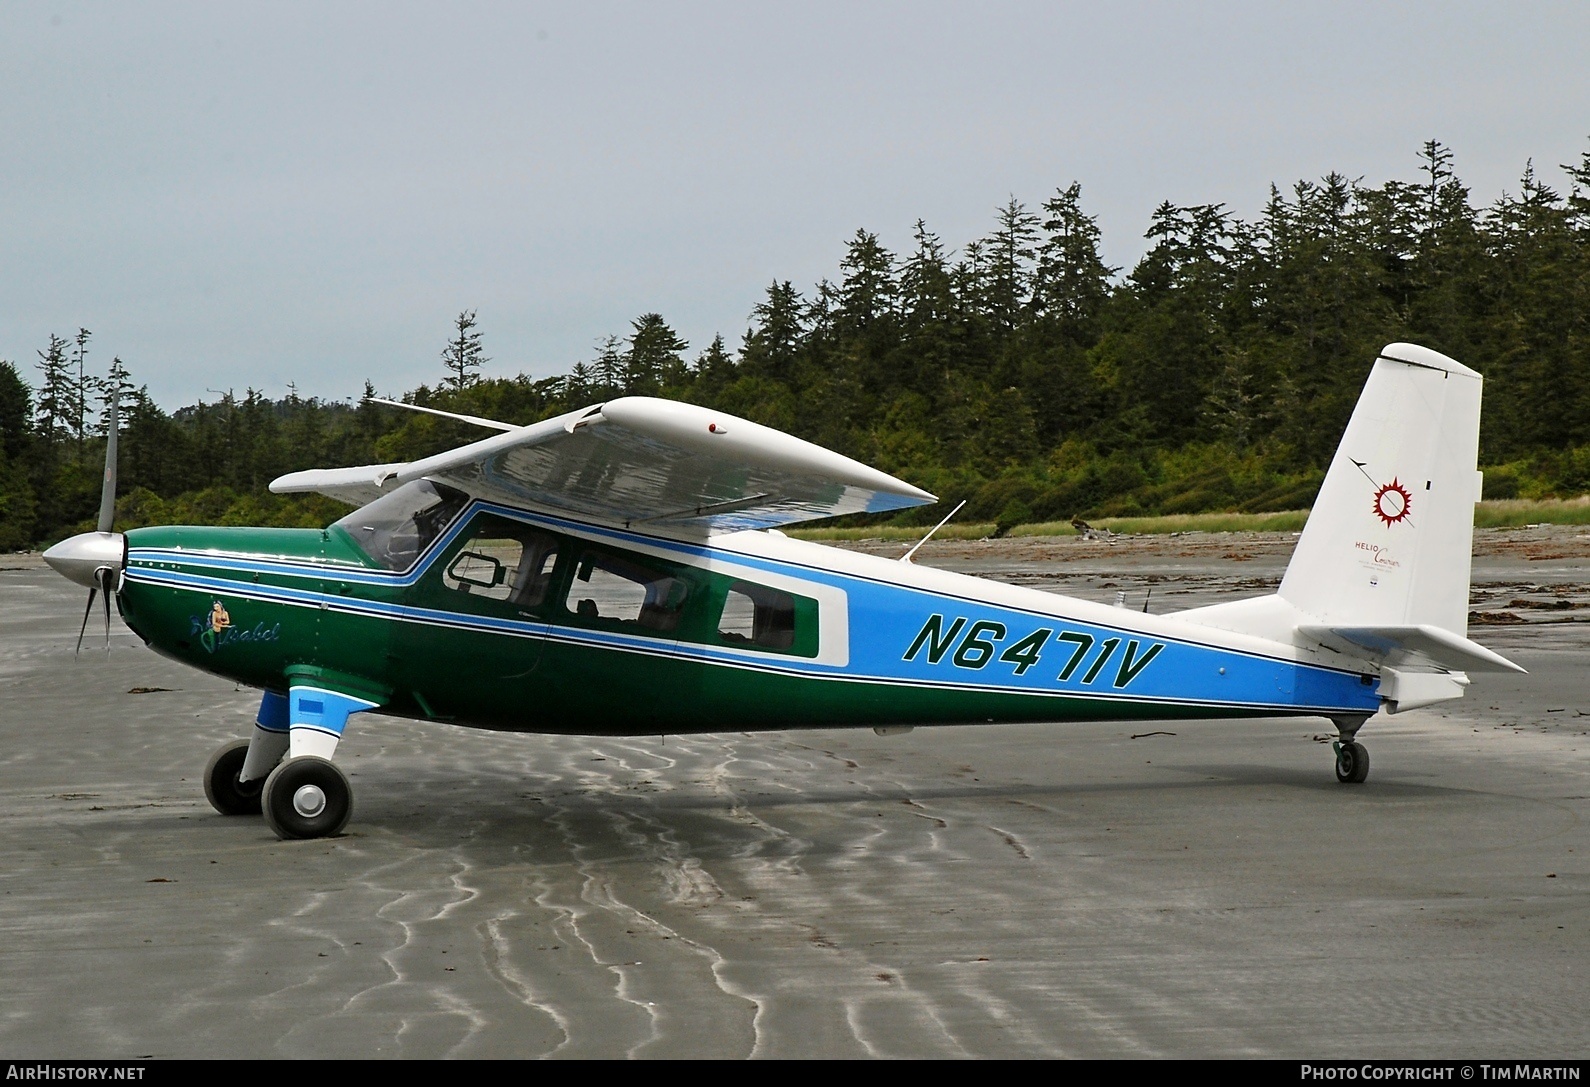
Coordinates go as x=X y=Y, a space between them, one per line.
x=267 y=607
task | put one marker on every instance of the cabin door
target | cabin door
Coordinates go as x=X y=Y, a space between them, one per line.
x=471 y=639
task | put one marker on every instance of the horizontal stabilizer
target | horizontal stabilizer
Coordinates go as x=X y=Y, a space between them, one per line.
x=1412 y=648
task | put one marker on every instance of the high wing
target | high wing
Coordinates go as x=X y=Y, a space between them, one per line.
x=639 y=460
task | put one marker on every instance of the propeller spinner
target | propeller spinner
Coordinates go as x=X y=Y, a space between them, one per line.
x=96 y=559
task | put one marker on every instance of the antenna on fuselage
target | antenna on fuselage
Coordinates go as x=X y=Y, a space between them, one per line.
x=907 y=556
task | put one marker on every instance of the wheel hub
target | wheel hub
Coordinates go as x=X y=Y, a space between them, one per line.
x=309 y=801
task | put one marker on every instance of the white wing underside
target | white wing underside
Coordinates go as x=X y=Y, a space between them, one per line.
x=640 y=460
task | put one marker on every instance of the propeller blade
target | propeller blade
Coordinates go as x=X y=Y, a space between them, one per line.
x=86 y=613
x=107 y=575
x=107 y=493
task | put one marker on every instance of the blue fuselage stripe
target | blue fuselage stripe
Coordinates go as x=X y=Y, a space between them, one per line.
x=899 y=634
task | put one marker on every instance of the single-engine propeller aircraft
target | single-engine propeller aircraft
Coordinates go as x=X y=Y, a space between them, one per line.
x=619 y=570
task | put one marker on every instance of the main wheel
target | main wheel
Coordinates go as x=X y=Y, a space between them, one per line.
x=307 y=797
x=226 y=793
x=1352 y=763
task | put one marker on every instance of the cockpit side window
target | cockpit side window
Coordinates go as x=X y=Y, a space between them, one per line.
x=397 y=528
x=504 y=561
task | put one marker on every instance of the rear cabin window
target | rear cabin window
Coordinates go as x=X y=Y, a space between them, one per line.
x=755 y=615
x=758 y=617
x=619 y=593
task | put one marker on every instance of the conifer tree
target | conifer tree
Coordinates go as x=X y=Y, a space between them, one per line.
x=1011 y=254
x=82 y=389
x=1071 y=281
x=16 y=407
x=116 y=383
x=55 y=404
x=1235 y=404
x=464 y=355
x=578 y=387
x=609 y=370
x=714 y=367
x=1436 y=165
x=775 y=337
x=18 y=509
x=928 y=314
x=925 y=292
x=867 y=293
x=654 y=359
x=1579 y=195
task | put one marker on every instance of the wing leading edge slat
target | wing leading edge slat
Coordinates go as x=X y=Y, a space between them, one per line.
x=641 y=459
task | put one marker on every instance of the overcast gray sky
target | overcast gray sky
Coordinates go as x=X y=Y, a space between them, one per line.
x=233 y=195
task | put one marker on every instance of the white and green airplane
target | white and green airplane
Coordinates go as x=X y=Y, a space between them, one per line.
x=619 y=570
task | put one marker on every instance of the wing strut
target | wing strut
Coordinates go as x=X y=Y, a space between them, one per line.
x=475 y=419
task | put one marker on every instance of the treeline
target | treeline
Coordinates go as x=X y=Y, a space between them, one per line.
x=1020 y=372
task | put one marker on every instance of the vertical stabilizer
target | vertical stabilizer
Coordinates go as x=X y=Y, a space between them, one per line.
x=1389 y=540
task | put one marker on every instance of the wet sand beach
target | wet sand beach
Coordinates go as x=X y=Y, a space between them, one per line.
x=1146 y=889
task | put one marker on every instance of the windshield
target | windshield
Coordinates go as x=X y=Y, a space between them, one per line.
x=396 y=528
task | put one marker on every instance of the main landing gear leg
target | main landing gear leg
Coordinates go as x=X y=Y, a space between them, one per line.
x=308 y=795
x=237 y=770
x=1352 y=758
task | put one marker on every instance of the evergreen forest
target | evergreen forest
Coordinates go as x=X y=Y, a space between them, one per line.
x=1018 y=371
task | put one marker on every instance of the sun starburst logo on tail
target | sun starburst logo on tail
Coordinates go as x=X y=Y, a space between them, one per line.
x=1392 y=502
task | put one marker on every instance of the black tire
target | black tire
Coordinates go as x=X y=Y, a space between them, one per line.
x=1352 y=763
x=294 y=808
x=226 y=793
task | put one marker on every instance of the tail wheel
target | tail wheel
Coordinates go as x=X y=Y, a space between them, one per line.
x=226 y=793
x=307 y=797
x=1352 y=763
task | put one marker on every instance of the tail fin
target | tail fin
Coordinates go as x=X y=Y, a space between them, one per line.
x=1389 y=540
x=1381 y=572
